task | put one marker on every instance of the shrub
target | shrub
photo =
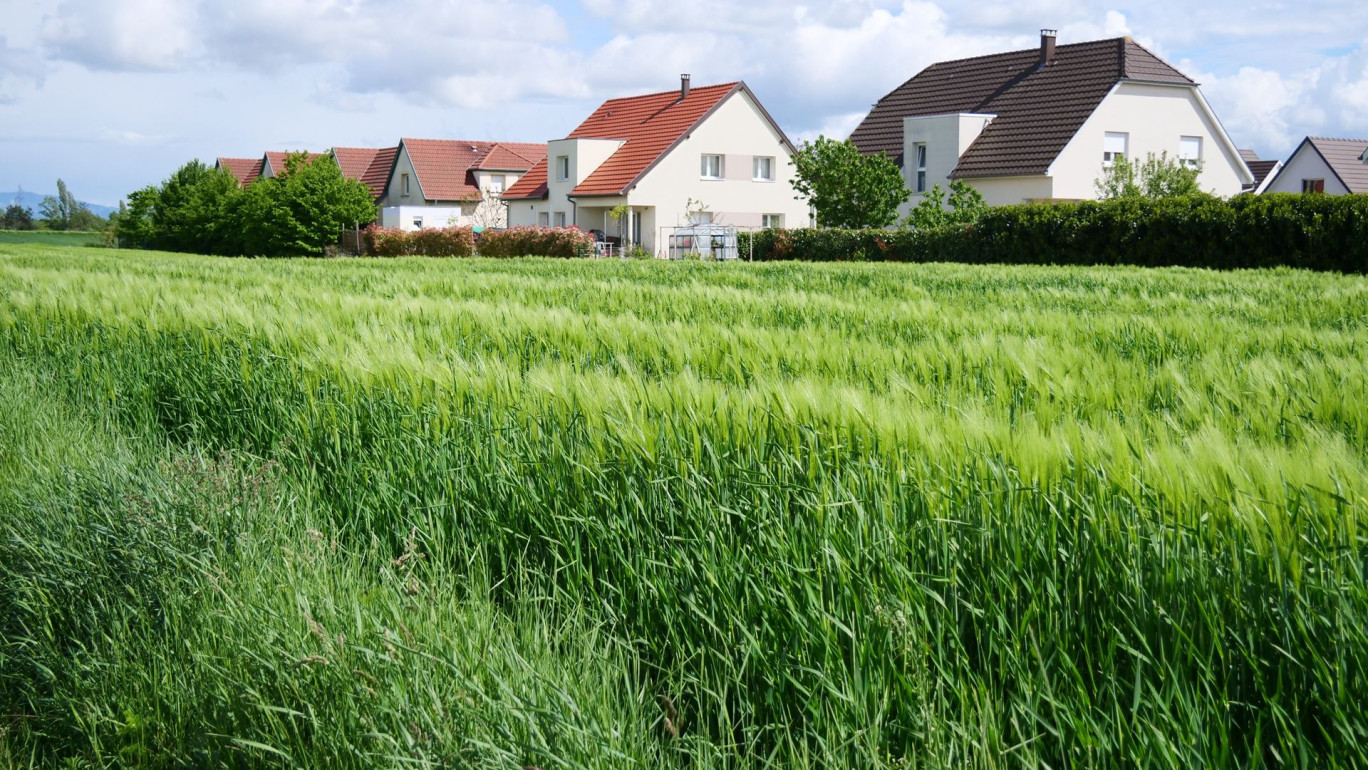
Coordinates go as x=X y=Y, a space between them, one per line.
x=1315 y=232
x=429 y=242
x=537 y=242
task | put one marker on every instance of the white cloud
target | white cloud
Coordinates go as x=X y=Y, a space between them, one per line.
x=131 y=35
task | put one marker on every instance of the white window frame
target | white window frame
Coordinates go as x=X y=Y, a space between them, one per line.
x=1110 y=153
x=762 y=169
x=558 y=219
x=562 y=168
x=919 y=159
x=1191 y=161
x=418 y=223
x=497 y=183
x=772 y=221
x=543 y=219
x=706 y=164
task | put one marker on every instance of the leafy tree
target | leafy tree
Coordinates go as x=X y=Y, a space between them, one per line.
x=63 y=209
x=966 y=206
x=133 y=227
x=190 y=210
x=16 y=217
x=846 y=188
x=302 y=210
x=1155 y=177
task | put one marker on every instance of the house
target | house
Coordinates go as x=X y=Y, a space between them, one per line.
x=245 y=170
x=453 y=182
x=1042 y=124
x=367 y=165
x=710 y=154
x=1263 y=171
x=273 y=163
x=1330 y=166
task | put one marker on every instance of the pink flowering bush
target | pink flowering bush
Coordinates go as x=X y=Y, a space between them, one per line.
x=537 y=242
x=431 y=242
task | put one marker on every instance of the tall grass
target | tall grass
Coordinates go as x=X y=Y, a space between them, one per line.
x=831 y=514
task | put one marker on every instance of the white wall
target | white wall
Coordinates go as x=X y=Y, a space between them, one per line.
x=1005 y=191
x=738 y=131
x=1155 y=117
x=432 y=216
x=1306 y=163
x=946 y=138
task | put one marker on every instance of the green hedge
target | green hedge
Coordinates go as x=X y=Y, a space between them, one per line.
x=537 y=242
x=1315 y=232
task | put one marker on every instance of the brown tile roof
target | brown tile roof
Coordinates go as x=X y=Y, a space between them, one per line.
x=1345 y=158
x=512 y=156
x=1260 y=169
x=276 y=160
x=368 y=165
x=1249 y=156
x=1038 y=109
x=244 y=169
x=445 y=167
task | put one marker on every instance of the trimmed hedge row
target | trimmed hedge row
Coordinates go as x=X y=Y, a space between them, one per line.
x=1315 y=232
x=537 y=242
x=430 y=242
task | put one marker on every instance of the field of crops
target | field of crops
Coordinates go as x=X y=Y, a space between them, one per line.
x=508 y=513
x=51 y=237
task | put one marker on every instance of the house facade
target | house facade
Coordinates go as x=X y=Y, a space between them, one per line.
x=1321 y=165
x=452 y=182
x=1043 y=124
x=706 y=155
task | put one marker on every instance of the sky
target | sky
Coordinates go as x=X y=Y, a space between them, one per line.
x=114 y=95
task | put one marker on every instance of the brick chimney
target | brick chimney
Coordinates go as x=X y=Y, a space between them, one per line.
x=1047 y=46
x=683 y=87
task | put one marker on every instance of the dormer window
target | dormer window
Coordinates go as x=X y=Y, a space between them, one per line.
x=562 y=168
x=1114 y=145
x=1364 y=156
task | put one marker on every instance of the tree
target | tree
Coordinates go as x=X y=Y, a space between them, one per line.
x=16 y=217
x=966 y=207
x=62 y=211
x=301 y=211
x=1155 y=177
x=846 y=188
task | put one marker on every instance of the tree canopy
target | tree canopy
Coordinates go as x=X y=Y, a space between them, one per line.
x=1157 y=176
x=846 y=188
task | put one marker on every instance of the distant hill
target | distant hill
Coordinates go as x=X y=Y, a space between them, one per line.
x=32 y=199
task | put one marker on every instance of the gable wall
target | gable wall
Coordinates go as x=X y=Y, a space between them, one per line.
x=1306 y=163
x=1155 y=117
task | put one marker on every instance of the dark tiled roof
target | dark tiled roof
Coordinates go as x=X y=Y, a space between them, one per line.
x=1260 y=169
x=1345 y=157
x=1038 y=109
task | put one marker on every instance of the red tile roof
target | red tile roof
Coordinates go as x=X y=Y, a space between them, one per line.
x=1038 y=109
x=445 y=167
x=367 y=165
x=649 y=126
x=244 y=169
x=276 y=160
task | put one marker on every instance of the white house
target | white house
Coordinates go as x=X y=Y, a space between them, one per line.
x=710 y=154
x=1042 y=124
x=1330 y=166
x=453 y=182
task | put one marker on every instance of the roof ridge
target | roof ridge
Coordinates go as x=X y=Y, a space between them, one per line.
x=730 y=85
x=1336 y=139
x=1058 y=48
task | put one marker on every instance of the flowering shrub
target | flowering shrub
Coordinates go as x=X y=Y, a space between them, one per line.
x=431 y=242
x=537 y=242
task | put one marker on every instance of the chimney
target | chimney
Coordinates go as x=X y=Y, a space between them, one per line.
x=1047 y=46
x=683 y=87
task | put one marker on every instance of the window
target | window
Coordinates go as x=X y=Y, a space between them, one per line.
x=772 y=220
x=636 y=227
x=496 y=183
x=764 y=170
x=404 y=177
x=418 y=223
x=544 y=219
x=1114 y=146
x=919 y=152
x=562 y=168
x=711 y=167
x=1190 y=151
x=1313 y=185
x=560 y=219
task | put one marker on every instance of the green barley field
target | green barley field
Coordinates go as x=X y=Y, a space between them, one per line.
x=566 y=514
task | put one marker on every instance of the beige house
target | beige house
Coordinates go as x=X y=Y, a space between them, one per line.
x=706 y=155
x=453 y=182
x=1320 y=165
x=1043 y=124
